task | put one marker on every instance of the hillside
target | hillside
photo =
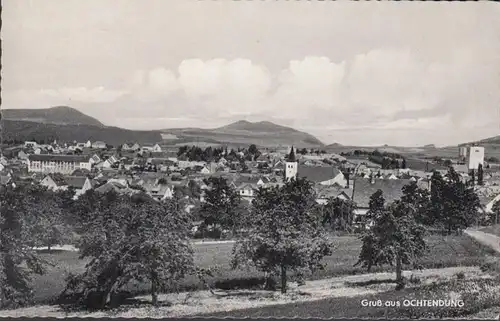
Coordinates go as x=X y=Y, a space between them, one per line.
x=264 y=133
x=28 y=130
x=61 y=115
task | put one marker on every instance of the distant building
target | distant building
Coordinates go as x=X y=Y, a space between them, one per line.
x=64 y=164
x=291 y=166
x=475 y=156
x=99 y=145
x=30 y=144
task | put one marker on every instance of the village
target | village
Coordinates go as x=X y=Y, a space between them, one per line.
x=160 y=172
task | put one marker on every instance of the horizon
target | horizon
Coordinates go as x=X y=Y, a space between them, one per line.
x=338 y=71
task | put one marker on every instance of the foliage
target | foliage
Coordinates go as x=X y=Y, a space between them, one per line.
x=454 y=206
x=395 y=238
x=134 y=239
x=221 y=204
x=480 y=175
x=338 y=213
x=17 y=215
x=286 y=234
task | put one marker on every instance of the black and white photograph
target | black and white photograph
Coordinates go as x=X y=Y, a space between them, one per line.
x=250 y=159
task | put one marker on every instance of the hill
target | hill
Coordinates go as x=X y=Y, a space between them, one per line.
x=60 y=115
x=264 y=134
x=28 y=130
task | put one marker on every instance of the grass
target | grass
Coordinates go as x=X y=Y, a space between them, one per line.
x=443 y=252
x=477 y=295
x=495 y=229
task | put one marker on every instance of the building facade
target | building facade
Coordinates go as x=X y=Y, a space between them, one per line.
x=64 y=164
x=475 y=156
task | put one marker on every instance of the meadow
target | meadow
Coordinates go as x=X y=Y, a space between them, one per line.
x=443 y=251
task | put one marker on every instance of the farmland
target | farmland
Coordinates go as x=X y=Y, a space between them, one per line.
x=443 y=252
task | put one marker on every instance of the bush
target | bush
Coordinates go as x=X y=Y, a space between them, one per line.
x=241 y=283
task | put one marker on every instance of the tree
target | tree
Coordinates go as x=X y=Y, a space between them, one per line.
x=286 y=234
x=253 y=149
x=480 y=175
x=221 y=204
x=419 y=198
x=453 y=204
x=496 y=213
x=135 y=239
x=376 y=205
x=16 y=247
x=403 y=163
x=473 y=178
x=338 y=213
x=395 y=239
x=49 y=226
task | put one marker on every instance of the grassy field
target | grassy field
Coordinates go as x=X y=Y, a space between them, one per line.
x=495 y=229
x=477 y=294
x=443 y=252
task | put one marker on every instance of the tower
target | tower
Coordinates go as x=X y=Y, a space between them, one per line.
x=291 y=166
x=475 y=156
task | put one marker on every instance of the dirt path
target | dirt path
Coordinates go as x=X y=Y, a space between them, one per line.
x=486 y=239
x=202 y=302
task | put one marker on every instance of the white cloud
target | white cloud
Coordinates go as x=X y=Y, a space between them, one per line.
x=371 y=91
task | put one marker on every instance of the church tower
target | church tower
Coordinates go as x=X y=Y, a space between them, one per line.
x=291 y=166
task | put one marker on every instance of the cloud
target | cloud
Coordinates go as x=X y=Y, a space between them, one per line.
x=386 y=89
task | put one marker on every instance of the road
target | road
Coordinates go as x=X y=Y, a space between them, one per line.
x=486 y=239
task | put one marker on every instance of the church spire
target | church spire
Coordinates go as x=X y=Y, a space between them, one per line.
x=291 y=156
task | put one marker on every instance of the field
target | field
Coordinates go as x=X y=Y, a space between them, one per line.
x=443 y=252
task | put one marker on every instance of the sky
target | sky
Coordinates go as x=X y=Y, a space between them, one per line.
x=354 y=73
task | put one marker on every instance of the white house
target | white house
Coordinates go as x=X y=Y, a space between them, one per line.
x=99 y=145
x=110 y=162
x=30 y=144
x=65 y=164
x=205 y=170
x=157 y=148
x=88 y=144
x=95 y=159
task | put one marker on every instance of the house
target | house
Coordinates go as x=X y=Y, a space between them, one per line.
x=391 y=189
x=108 y=163
x=2 y=167
x=205 y=170
x=222 y=161
x=125 y=147
x=157 y=148
x=88 y=144
x=157 y=189
x=322 y=175
x=80 y=184
x=135 y=147
x=54 y=182
x=247 y=190
x=81 y=146
x=30 y=144
x=99 y=145
x=95 y=159
x=64 y=164
x=324 y=193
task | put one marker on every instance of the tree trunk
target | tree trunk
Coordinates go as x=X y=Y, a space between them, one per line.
x=48 y=247
x=154 y=289
x=283 y=279
x=399 y=273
